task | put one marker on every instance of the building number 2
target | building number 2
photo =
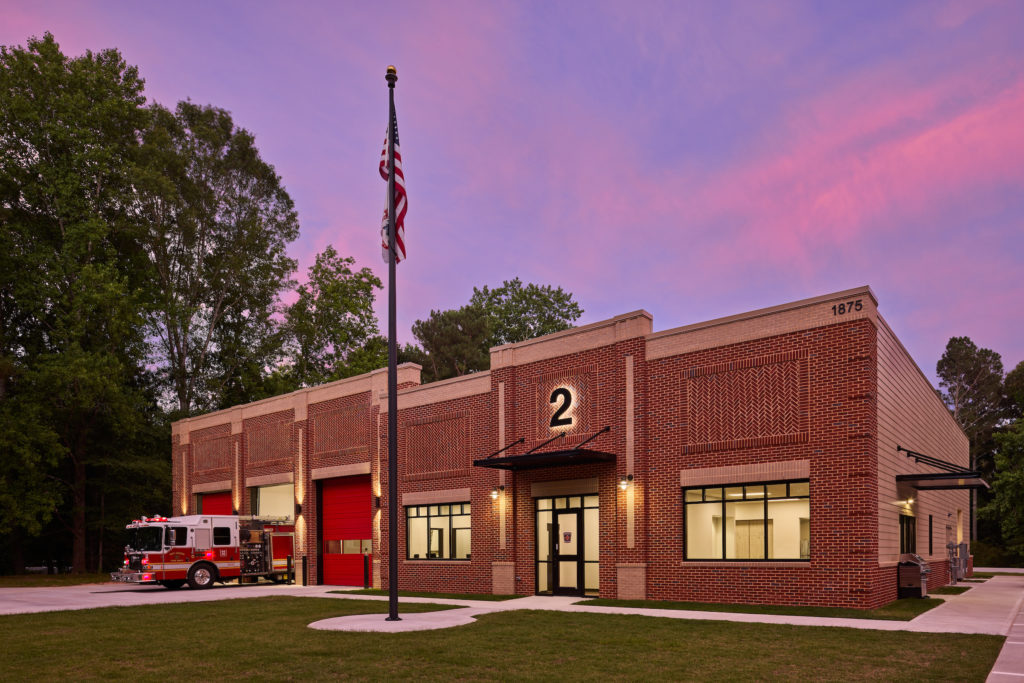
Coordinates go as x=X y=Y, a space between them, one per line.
x=848 y=307
x=559 y=419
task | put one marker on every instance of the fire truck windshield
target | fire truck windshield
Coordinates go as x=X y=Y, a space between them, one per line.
x=146 y=538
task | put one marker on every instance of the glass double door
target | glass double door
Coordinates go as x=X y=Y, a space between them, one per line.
x=567 y=545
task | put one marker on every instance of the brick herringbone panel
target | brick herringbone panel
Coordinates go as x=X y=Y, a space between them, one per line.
x=341 y=429
x=741 y=404
x=580 y=381
x=437 y=446
x=272 y=442
x=213 y=454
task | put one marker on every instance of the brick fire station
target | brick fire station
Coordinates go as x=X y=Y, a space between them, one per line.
x=787 y=455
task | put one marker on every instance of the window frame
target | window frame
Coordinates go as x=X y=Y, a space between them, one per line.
x=723 y=500
x=448 y=533
x=223 y=530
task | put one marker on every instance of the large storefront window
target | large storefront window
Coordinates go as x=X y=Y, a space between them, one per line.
x=748 y=521
x=437 y=532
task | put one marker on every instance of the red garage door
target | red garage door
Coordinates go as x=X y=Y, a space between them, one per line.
x=346 y=529
x=215 y=503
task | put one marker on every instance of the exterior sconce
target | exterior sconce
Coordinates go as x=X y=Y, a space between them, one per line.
x=625 y=481
x=376 y=502
x=496 y=491
x=234 y=512
x=298 y=509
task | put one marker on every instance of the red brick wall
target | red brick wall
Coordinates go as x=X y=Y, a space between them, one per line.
x=428 y=461
x=797 y=396
x=823 y=383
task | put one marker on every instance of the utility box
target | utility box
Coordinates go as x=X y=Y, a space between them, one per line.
x=912 y=576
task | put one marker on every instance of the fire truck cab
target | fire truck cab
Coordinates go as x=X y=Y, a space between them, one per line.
x=203 y=549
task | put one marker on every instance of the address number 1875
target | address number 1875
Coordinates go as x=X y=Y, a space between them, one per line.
x=848 y=307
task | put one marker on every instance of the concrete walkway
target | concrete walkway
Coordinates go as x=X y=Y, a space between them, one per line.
x=91 y=595
x=988 y=608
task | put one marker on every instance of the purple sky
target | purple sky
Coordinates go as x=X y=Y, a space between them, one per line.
x=693 y=159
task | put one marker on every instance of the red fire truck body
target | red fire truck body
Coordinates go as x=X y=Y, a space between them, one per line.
x=203 y=549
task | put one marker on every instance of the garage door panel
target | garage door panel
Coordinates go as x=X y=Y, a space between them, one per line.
x=218 y=503
x=346 y=515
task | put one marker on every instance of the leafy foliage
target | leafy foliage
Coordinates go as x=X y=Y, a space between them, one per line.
x=73 y=303
x=458 y=341
x=516 y=312
x=331 y=327
x=1007 y=506
x=217 y=223
x=1013 y=388
x=971 y=384
x=455 y=342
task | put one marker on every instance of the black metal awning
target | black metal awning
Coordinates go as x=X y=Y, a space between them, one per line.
x=953 y=476
x=941 y=482
x=534 y=460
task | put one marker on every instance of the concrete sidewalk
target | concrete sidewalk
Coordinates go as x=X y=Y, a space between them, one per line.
x=988 y=608
x=92 y=595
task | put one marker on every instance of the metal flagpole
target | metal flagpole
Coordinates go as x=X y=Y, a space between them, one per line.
x=392 y=77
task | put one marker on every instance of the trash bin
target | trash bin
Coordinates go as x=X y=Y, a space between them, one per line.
x=912 y=573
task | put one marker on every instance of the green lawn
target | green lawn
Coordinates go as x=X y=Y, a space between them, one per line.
x=267 y=638
x=40 y=580
x=989 y=575
x=948 y=590
x=422 y=594
x=901 y=610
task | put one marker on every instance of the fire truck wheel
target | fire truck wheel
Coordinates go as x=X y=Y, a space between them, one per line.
x=201 y=575
x=173 y=585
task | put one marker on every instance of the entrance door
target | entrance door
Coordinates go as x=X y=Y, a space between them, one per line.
x=567 y=556
x=567 y=545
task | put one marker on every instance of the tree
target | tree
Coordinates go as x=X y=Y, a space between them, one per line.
x=971 y=380
x=458 y=341
x=516 y=312
x=971 y=386
x=455 y=342
x=1007 y=504
x=1013 y=388
x=72 y=297
x=332 y=328
x=217 y=223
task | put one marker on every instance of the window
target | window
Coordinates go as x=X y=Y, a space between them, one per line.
x=437 y=532
x=908 y=534
x=273 y=501
x=769 y=521
x=180 y=535
x=222 y=535
x=349 y=547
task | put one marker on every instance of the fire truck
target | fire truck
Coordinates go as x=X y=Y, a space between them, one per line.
x=203 y=549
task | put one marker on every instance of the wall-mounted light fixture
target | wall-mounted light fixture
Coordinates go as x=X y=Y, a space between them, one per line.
x=625 y=481
x=298 y=509
x=376 y=502
x=234 y=512
x=496 y=491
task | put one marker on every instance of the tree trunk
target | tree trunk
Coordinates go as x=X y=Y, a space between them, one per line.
x=99 y=542
x=18 y=551
x=78 y=519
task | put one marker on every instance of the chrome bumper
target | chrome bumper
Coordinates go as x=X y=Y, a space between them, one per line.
x=130 y=576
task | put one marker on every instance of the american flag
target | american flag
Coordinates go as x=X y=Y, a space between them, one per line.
x=400 y=199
